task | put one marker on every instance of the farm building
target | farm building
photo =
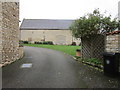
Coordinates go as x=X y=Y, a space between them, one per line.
x=38 y=30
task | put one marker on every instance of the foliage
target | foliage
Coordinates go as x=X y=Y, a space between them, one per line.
x=48 y=42
x=20 y=45
x=24 y=42
x=92 y=60
x=73 y=44
x=71 y=50
x=77 y=57
x=38 y=42
x=93 y=23
x=45 y=42
x=80 y=44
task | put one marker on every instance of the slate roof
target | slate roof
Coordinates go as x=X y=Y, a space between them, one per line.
x=45 y=24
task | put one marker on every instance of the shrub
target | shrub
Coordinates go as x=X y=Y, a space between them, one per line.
x=48 y=42
x=79 y=44
x=25 y=42
x=20 y=45
x=45 y=42
x=38 y=42
x=92 y=60
x=20 y=42
x=73 y=44
x=35 y=42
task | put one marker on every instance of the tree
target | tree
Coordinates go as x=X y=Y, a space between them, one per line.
x=92 y=28
x=93 y=23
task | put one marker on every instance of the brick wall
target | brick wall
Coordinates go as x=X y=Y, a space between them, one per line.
x=9 y=33
x=113 y=42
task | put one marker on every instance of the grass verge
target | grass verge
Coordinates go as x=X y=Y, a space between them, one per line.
x=91 y=62
x=71 y=50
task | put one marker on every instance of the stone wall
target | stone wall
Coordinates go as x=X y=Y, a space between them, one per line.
x=0 y=31
x=113 y=43
x=9 y=33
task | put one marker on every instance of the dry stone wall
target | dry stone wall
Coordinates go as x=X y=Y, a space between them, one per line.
x=9 y=33
x=0 y=32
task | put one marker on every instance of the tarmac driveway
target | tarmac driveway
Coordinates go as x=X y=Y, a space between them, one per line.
x=48 y=69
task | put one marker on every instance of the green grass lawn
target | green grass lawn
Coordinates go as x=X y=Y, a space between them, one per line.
x=71 y=50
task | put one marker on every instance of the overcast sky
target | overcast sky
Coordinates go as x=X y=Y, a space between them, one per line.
x=64 y=9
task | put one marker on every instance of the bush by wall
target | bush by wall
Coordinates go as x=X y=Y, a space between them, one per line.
x=73 y=44
x=45 y=42
x=38 y=43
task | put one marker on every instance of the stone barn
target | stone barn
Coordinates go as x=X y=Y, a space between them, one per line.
x=38 y=30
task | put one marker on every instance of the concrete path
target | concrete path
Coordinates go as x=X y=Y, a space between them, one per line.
x=50 y=69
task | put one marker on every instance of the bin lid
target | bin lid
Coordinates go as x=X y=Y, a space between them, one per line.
x=108 y=53
x=117 y=53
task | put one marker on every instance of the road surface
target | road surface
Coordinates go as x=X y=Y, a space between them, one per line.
x=48 y=69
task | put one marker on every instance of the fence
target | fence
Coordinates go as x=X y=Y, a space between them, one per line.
x=93 y=47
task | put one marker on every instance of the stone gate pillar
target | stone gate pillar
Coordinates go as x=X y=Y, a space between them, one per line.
x=9 y=31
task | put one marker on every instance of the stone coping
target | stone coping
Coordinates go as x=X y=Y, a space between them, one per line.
x=9 y=0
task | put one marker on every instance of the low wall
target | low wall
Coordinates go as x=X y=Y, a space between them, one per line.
x=113 y=42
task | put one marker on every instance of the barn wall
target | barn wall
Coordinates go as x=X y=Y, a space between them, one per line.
x=56 y=36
